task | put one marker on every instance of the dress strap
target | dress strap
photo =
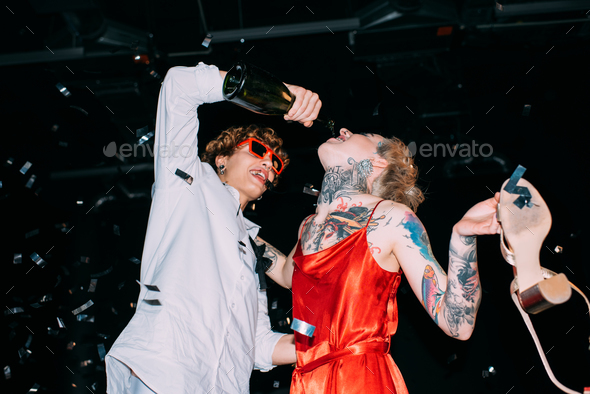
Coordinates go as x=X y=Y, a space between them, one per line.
x=370 y=217
x=302 y=227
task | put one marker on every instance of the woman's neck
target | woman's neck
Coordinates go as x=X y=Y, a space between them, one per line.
x=343 y=181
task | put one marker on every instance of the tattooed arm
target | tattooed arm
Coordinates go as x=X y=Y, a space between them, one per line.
x=451 y=300
x=281 y=270
x=282 y=267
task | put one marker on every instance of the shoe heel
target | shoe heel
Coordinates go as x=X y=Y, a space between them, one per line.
x=545 y=294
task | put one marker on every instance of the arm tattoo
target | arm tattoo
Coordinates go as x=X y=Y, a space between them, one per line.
x=463 y=290
x=271 y=253
x=461 y=298
x=418 y=235
x=432 y=295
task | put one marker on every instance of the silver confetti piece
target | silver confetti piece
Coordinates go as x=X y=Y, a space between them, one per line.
x=133 y=305
x=25 y=168
x=274 y=305
x=71 y=345
x=85 y=259
x=114 y=311
x=153 y=302
x=79 y=109
x=0 y=184
x=60 y=323
x=149 y=287
x=207 y=41
x=116 y=230
x=35 y=388
x=141 y=132
x=12 y=311
x=18 y=258
x=83 y=307
x=309 y=189
x=499 y=7
x=187 y=178
x=46 y=298
x=63 y=227
x=38 y=260
x=54 y=127
x=23 y=354
x=7 y=372
x=52 y=332
x=31 y=181
x=526 y=110
x=36 y=305
x=120 y=285
x=145 y=138
x=302 y=327
x=134 y=260
x=275 y=384
x=558 y=249
x=63 y=144
x=85 y=363
x=103 y=273
x=101 y=351
x=29 y=340
x=63 y=90
x=9 y=161
x=85 y=318
x=103 y=336
x=32 y=233
x=92 y=287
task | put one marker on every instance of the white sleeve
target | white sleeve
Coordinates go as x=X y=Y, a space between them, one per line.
x=266 y=339
x=184 y=89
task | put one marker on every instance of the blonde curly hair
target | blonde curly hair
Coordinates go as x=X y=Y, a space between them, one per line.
x=397 y=182
x=229 y=139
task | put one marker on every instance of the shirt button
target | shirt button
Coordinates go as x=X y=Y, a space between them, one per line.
x=242 y=277
x=233 y=305
x=227 y=333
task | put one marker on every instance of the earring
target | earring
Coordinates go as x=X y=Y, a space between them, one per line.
x=222 y=169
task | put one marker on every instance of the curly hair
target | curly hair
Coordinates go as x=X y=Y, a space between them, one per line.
x=397 y=182
x=229 y=139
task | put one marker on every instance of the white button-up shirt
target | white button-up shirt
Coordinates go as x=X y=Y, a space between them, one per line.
x=212 y=327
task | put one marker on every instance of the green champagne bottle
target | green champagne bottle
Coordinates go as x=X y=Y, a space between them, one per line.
x=259 y=91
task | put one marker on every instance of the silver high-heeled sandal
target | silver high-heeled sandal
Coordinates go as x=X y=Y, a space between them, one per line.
x=526 y=221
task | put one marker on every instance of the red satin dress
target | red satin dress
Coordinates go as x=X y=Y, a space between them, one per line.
x=351 y=301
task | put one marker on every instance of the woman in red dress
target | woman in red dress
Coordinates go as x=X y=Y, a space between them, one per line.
x=348 y=262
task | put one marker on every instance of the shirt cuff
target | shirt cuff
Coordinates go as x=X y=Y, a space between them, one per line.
x=264 y=350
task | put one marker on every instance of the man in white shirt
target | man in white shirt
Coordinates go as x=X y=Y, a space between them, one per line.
x=201 y=323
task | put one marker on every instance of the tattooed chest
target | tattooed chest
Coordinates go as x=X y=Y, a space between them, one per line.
x=336 y=227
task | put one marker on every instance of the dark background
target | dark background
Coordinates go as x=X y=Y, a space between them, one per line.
x=448 y=72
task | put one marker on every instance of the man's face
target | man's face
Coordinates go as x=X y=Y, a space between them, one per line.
x=248 y=173
x=337 y=151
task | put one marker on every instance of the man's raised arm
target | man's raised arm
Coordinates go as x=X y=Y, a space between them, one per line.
x=183 y=90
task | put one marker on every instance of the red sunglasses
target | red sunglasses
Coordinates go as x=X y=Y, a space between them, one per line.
x=260 y=150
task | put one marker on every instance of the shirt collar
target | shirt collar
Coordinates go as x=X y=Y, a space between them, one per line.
x=251 y=227
x=232 y=190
